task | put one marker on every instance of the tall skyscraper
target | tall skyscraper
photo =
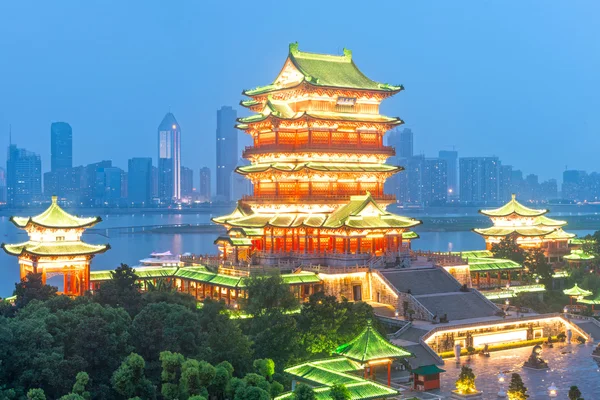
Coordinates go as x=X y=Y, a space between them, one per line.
x=451 y=158
x=479 y=180
x=169 y=159
x=227 y=149
x=505 y=185
x=573 y=185
x=204 y=186
x=23 y=176
x=61 y=146
x=89 y=186
x=139 y=182
x=2 y=186
x=187 y=182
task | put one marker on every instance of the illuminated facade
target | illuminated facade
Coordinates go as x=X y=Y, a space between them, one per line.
x=317 y=168
x=55 y=247
x=531 y=227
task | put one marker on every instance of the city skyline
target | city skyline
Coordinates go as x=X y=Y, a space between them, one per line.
x=446 y=102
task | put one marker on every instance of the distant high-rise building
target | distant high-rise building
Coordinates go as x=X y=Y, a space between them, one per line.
x=402 y=140
x=204 y=186
x=89 y=185
x=187 y=182
x=2 y=186
x=227 y=151
x=108 y=186
x=124 y=185
x=154 y=182
x=23 y=176
x=169 y=159
x=549 y=189
x=573 y=185
x=61 y=146
x=139 y=182
x=413 y=186
x=479 y=180
x=505 y=187
x=451 y=158
x=435 y=181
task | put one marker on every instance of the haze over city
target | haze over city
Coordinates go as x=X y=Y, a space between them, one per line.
x=512 y=80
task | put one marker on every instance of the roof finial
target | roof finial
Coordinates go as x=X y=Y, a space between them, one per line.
x=514 y=196
x=54 y=199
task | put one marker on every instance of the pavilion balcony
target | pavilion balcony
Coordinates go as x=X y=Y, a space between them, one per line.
x=313 y=198
x=362 y=148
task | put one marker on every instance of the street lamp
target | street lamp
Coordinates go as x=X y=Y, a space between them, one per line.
x=501 y=382
x=396 y=313
x=537 y=279
x=553 y=390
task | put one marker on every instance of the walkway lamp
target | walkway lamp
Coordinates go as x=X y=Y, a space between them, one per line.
x=553 y=390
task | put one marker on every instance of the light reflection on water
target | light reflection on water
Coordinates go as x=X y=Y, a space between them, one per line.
x=570 y=364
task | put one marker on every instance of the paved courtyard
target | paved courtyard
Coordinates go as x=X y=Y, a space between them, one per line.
x=570 y=364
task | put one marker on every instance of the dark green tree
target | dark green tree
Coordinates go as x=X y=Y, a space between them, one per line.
x=509 y=249
x=224 y=338
x=276 y=336
x=264 y=367
x=536 y=262
x=171 y=374
x=304 y=392
x=574 y=393
x=339 y=392
x=167 y=327
x=165 y=291
x=195 y=377
x=516 y=388
x=121 y=291
x=32 y=288
x=36 y=394
x=129 y=379
x=81 y=381
x=268 y=293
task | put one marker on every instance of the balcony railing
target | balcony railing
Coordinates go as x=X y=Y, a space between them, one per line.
x=349 y=147
x=313 y=198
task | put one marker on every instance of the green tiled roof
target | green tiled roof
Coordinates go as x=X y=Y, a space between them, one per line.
x=142 y=272
x=428 y=370
x=54 y=248
x=475 y=254
x=507 y=230
x=560 y=234
x=300 y=277
x=234 y=241
x=544 y=220
x=513 y=207
x=370 y=345
x=578 y=255
x=577 y=291
x=492 y=264
x=241 y=210
x=409 y=235
x=329 y=71
x=594 y=301
x=318 y=166
x=361 y=212
x=249 y=103
x=364 y=390
x=55 y=217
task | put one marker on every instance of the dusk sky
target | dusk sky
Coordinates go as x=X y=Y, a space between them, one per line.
x=516 y=79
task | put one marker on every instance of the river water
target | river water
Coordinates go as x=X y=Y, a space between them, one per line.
x=130 y=247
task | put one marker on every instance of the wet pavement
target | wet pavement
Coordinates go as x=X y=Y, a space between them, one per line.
x=569 y=364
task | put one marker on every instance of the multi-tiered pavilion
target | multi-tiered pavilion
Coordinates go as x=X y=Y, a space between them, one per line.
x=530 y=227
x=317 y=168
x=55 y=247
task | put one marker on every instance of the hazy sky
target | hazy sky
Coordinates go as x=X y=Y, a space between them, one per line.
x=517 y=79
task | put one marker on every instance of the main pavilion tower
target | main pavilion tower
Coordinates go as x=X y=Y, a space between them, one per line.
x=317 y=168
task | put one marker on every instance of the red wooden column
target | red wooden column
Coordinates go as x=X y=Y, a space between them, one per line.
x=389 y=373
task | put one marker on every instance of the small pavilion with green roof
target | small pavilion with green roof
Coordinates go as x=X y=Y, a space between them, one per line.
x=530 y=227
x=593 y=302
x=370 y=349
x=365 y=351
x=577 y=292
x=55 y=247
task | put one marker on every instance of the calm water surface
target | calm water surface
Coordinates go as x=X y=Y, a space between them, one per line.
x=129 y=248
